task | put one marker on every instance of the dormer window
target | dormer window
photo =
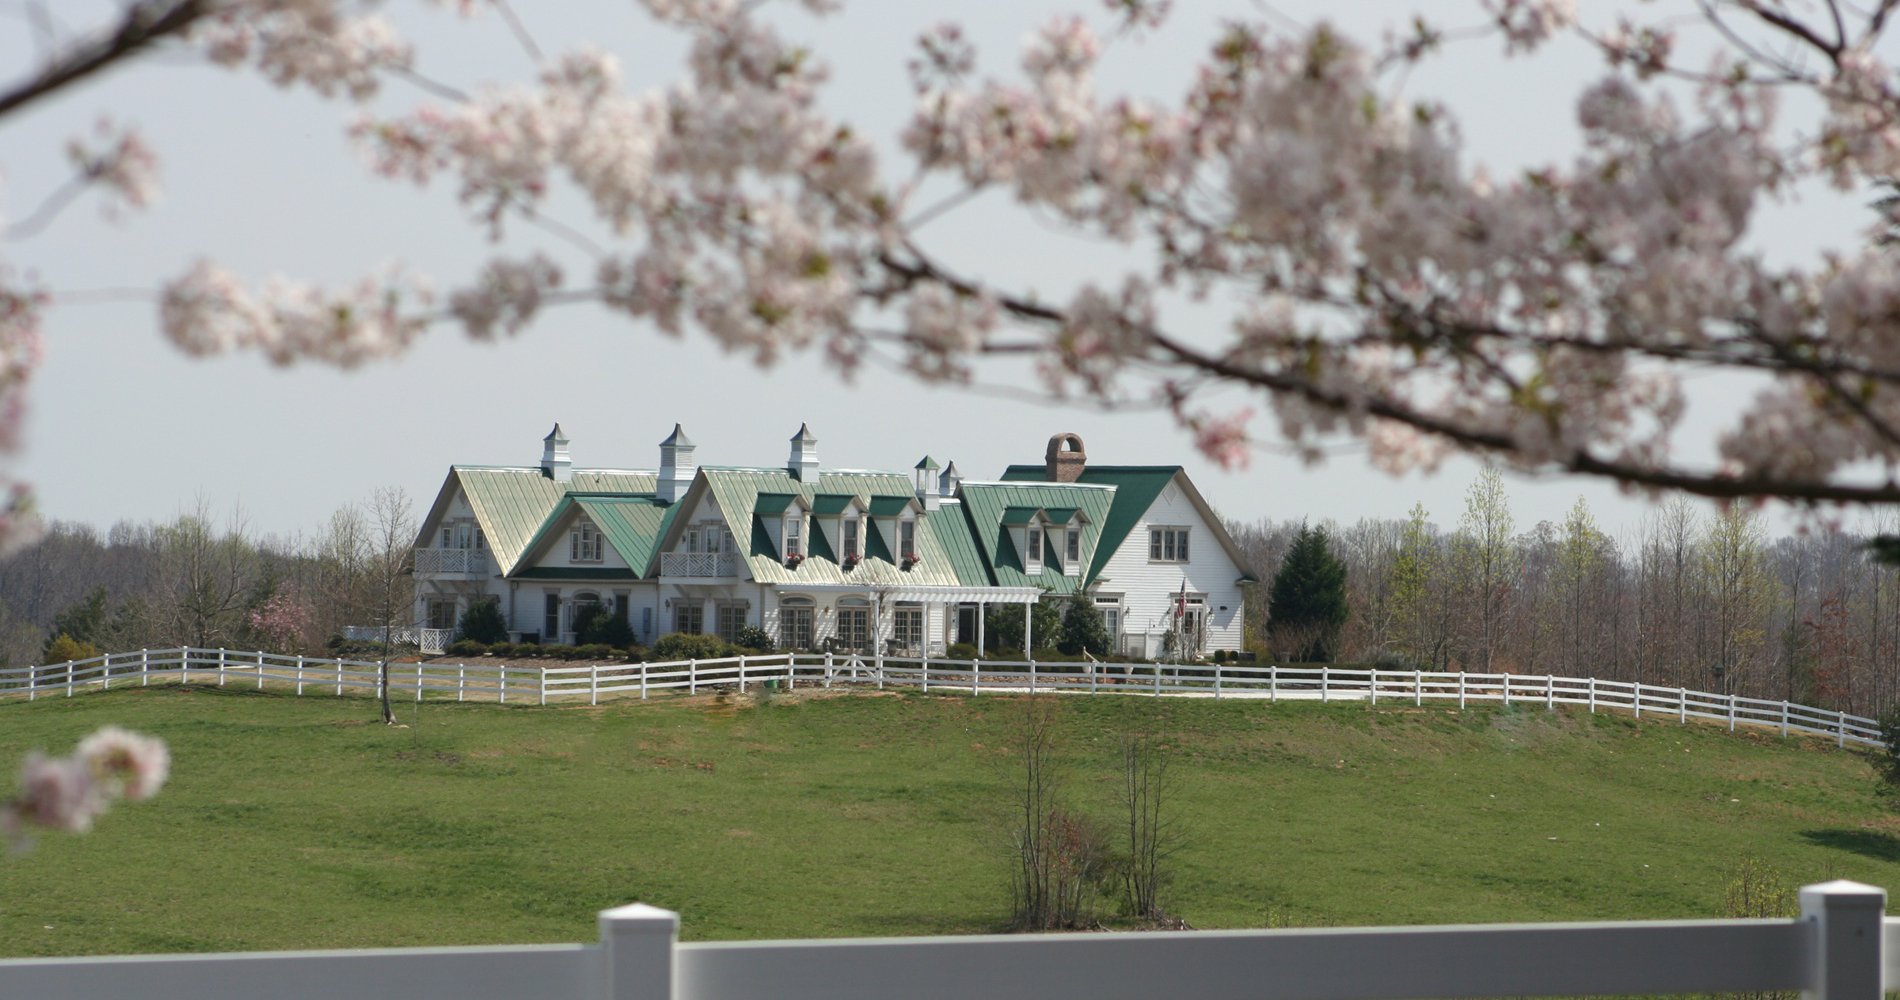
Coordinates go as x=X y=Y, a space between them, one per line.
x=1072 y=551
x=1032 y=557
x=583 y=543
x=907 y=539
x=794 y=536
x=853 y=538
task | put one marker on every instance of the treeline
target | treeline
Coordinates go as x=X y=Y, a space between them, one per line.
x=205 y=579
x=1693 y=597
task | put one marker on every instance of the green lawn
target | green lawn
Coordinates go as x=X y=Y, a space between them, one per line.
x=299 y=823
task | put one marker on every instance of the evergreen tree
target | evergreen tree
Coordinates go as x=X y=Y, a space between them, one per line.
x=1307 y=608
x=1082 y=627
x=84 y=623
x=483 y=623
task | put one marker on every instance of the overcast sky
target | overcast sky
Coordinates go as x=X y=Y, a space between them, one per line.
x=125 y=427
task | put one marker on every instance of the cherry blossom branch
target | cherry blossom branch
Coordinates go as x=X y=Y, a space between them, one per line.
x=141 y=25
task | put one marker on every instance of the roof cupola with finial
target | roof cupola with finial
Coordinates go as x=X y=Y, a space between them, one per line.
x=676 y=466
x=925 y=473
x=555 y=464
x=803 y=464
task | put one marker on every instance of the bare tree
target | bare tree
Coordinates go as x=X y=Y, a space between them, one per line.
x=392 y=562
x=1060 y=856
x=1153 y=835
x=204 y=578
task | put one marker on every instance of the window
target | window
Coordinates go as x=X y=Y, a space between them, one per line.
x=583 y=543
x=551 y=620
x=1072 y=548
x=794 y=623
x=481 y=540
x=1111 y=608
x=852 y=526
x=441 y=614
x=646 y=625
x=689 y=617
x=794 y=536
x=907 y=626
x=691 y=540
x=1032 y=557
x=1167 y=545
x=448 y=537
x=731 y=619
x=906 y=539
x=854 y=627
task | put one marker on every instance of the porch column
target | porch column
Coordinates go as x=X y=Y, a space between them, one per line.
x=981 y=614
x=1029 y=618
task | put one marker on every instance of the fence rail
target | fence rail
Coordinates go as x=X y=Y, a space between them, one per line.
x=539 y=684
x=1842 y=947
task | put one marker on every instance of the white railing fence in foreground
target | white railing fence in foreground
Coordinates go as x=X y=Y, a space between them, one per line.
x=540 y=684
x=1840 y=948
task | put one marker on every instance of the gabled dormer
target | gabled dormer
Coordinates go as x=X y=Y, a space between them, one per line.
x=893 y=531
x=784 y=522
x=838 y=519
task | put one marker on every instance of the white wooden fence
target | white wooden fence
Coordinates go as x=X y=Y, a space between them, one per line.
x=540 y=684
x=1842 y=947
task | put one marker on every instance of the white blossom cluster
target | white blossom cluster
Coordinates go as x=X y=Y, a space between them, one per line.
x=70 y=793
x=1383 y=287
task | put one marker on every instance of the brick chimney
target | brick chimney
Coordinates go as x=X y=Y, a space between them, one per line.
x=1065 y=458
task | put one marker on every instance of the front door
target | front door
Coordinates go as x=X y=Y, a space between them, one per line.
x=794 y=628
x=966 y=623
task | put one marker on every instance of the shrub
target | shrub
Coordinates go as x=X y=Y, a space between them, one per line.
x=595 y=651
x=688 y=646
x=64 y=647
x=1889 y=761
x=603 y=628
x=753 y=637
x=1083 y=630
x=483 y=623
x=466 y=647
x=636 y=654
x=962 y=651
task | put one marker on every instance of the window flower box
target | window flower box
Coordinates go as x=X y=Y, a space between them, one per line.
x=792 y=561
x=911 y=560
x=851 y=562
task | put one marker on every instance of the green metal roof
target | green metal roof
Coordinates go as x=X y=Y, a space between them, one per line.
x=993 y=509
x=1136 y=487
x=631 y=524
x=511 y=504
x=954 y=531
x=739 y=491
x=889 y=506
x=772 y=503
x=831 y=504
x=1015 y=516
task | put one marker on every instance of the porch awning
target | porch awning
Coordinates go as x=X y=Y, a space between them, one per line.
x=925 y=594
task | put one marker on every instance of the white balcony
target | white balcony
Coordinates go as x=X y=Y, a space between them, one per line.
x=452 y=562
x=700 y=564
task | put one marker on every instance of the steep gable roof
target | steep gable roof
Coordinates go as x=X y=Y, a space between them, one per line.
x=1136 y=487
x=631 y=524
x=511 y=504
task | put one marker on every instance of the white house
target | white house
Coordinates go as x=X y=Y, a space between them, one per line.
x=835 y=558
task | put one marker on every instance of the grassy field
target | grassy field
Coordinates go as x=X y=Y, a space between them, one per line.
x=299 y=823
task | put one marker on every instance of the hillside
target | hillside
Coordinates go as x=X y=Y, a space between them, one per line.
x=298 y=823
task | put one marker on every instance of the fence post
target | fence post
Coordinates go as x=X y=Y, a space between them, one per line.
x=742 y=675
x=220 y=666
x=1157 y=679
x=542 y=686
x=418 y=683
x=1372 y=685
x=643 y=680
x=1550 y=693
x=1325 y=676
x=145 y=668
x=637 y=952
x=1731 y=711
x=105 y=673
x=69 y=678
x=1784 y=718
x=1461 y=690
x=1032 y=675
x=1418 y=687
x=260 y=670
x=1593 y=694
x=593 y=685
x=926 y=666
x=1273 y=683
x=300 y=674
x=1636 y=697
x=976 y=677
x=791 y=671
x=502 y=684
x=1217 y=669
x=339 y=677
x=461 y=681
x=1847 y=940
x=1507 y=687
x=692 y=676
x=1840 y=727
x=827 y=669
x=1682 y=705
